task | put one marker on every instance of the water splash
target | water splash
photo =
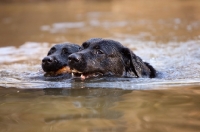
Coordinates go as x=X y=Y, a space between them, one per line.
x=178 y=64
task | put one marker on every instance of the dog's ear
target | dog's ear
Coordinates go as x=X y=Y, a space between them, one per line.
x=135 y=64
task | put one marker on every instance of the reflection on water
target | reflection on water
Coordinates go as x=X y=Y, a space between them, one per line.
x=100 y=110
x=164 y=34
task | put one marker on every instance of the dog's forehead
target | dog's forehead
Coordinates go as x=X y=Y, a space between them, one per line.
x=106 y=44
x=94 y=40
x=58 y=46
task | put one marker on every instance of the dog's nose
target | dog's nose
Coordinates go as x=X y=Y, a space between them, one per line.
x=47 y=60
x=74 y=58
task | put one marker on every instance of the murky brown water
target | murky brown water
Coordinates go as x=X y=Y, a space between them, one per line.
x=164 y=33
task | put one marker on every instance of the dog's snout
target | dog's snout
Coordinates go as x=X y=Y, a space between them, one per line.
x=74 y=58
x=47 y=60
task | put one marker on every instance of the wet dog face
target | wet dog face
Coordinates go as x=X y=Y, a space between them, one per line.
x=103 y=57
x=97 y=57
x=56 y=61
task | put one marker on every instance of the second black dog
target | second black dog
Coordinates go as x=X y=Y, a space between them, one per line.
x=104 y=57
x=56 y=61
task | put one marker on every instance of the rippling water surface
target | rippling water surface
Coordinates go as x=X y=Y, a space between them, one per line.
x=167 y=35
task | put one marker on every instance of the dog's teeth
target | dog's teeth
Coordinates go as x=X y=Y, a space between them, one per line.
x=82 y=77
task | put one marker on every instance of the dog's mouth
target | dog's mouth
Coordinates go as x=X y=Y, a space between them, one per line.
x=61 y=71
x=83 y=75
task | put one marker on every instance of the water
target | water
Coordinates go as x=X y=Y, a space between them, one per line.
x=163 y=34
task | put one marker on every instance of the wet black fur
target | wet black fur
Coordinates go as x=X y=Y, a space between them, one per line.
x=57 y=56
x=109 y=58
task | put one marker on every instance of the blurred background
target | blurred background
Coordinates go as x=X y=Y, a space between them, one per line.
x=56 y=21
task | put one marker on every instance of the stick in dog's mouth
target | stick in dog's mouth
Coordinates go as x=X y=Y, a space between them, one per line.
x=63 y=70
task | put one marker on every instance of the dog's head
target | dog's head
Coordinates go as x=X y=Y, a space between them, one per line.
x=106 y=57
x=56 y=61
x=97 y=57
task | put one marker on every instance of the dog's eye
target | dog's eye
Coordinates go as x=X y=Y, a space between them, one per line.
x=81 y=48
x=98 y=51
x=85 y=45
x=52 y=50
x=64 y=51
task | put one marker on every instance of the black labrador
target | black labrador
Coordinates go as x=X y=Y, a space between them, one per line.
x=105 y=57
x=56 y=61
